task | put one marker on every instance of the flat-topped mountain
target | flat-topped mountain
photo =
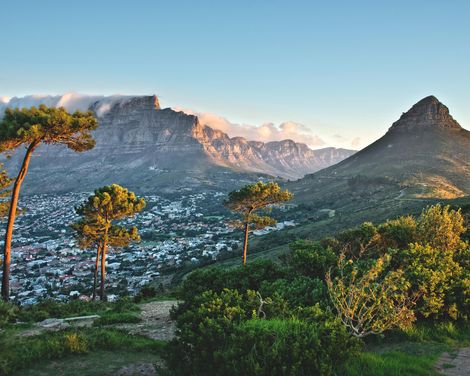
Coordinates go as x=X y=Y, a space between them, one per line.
x=141 y=145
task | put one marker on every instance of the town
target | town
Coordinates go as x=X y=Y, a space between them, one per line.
x=176 y=232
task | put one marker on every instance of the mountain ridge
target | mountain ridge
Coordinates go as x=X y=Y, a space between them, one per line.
x=136 y=133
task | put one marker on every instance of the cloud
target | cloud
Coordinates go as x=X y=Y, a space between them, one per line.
x=356 y=142
x=265 y=132
x=71 y=101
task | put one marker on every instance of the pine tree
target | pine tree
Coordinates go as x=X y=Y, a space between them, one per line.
x=5 y=192
x=97 y=229
x=250 y=199
x=32 y=127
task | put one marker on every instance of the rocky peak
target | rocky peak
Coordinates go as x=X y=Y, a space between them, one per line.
x=428 y=113
x=140 y=104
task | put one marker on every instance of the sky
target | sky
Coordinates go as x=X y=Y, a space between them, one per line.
x=325 y=72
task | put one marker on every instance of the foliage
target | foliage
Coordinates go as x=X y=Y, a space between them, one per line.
x=20 y=352
x=5 y=183
x=107 y=204
x=8 y=312
x=311 y=259
x=96 y=228
x=217 y=329
x=251 y=199
x=216 y=279
x=46 y=124
x=32 y=127
x=53 y=309
x=287 y=347
x=428 y=249
x=298 y=291
x=373 y=301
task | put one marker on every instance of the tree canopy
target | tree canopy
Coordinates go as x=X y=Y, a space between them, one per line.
x=49 y=125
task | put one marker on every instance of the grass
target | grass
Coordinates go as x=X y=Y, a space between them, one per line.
x=393 y=363
x=54 y=309
x=96 y=363
x=411 y=352
x=21 y=352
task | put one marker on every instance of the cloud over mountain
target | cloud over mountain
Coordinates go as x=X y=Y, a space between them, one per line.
x=265 y=132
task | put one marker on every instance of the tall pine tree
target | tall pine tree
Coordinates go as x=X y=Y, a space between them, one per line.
x=31 y=127
x=97 y=227
x=251 y=199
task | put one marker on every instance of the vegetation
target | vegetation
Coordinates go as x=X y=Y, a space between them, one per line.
x=5 y=183
x=32 y=127
x=318 y=311
x=371 y=302
x=21 y=352
x=250 y=199
x=329 y=298
x=97 y=226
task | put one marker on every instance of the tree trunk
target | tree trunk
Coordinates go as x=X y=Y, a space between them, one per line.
x=95 y=276
x=11 y=220
x=245 y=243
x=103 y=272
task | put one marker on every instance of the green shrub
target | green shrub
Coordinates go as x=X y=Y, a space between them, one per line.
x=249 y=277
x=218 y=329
x=299 y=291
x=311 y=259
x=287 y=347
x=8 y=313
x=264 y=347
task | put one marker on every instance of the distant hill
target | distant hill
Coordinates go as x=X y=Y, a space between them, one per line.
x=145 y=147
x=425 y=154
x=423 y=158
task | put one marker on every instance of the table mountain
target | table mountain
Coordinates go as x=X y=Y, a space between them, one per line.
x=141 y=145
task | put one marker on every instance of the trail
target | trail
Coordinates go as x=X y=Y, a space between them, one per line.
x=455 y=365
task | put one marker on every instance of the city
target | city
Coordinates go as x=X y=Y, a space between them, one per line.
x=176 y=232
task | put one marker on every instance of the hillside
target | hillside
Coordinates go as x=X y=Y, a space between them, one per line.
x=422 y=159
x=142 y=146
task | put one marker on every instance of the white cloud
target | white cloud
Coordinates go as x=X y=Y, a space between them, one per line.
x=356 y=142
x=265 y=132
x=71 y=101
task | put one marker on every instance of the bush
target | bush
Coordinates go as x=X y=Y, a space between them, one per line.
x=311 y=259
x=267 y=347
x=287 y=347
x=299 y=291
x=8 y=313
x=242 y=278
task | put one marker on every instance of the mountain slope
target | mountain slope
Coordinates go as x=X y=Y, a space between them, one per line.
x=424 y=158
x=142 y=146
x=426 y=154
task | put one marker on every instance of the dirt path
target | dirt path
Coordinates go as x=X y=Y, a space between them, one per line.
x=455 y=365
x=156 y=322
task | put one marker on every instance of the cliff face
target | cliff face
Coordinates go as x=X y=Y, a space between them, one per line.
x=138 y=144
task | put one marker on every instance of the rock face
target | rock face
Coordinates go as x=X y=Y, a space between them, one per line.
x=427 y=113
x=141 y=145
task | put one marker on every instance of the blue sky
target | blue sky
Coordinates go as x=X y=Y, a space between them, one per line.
x=347 y=68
